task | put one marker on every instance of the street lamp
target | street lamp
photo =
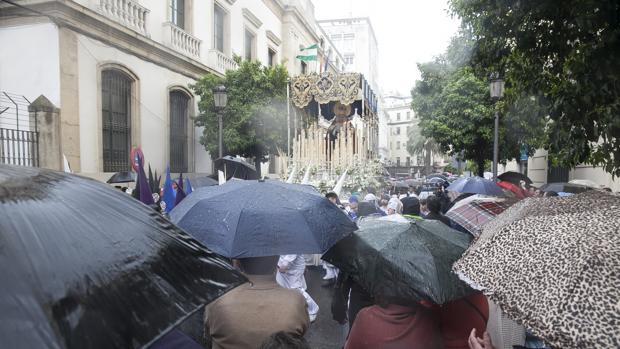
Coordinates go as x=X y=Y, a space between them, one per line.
x=496 y=88
x=220 y=99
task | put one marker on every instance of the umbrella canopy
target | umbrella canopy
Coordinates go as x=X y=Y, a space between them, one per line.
x=234 y=167
x=437 y=180
x=403 y=261
x=122 y=177
x=513 y=188
x=414 y=182
x=585 y=182
x=476 y=185
x=514 y=178
x=551 y=264
x=86 y=266
x=399 y=184
x=203 y=182
x=565 y=188
x=437 y=175
x=475 y=214
x=262 y=218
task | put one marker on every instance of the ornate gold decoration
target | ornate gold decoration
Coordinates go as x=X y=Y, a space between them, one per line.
x=325 y=88
x=301 y=87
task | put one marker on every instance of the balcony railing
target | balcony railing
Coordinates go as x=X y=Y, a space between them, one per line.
x=220 y=62
x=181 y=41
x=127 y=12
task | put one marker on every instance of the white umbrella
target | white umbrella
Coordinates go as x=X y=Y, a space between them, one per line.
x=586 y=182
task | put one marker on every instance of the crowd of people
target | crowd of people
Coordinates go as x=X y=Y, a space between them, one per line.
x=274 y=309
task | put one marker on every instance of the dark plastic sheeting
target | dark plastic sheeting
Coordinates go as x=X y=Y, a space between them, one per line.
x=87 y=266
x=407 y=262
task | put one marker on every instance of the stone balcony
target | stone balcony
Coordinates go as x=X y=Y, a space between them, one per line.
x=181 y=41
x=126 y=12
x=220 y=62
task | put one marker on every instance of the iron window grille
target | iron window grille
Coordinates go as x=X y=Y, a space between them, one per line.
x=116 y=125
x=179 y=102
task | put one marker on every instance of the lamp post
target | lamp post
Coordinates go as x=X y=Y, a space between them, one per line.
x=496 y=88
x=220 y=99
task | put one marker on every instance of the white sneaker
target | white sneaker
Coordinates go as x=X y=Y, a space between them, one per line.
x=312 y=317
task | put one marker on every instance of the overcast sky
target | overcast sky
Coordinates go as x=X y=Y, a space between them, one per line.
x=408 y=32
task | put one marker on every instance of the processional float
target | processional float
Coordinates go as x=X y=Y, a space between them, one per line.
x=334 y=121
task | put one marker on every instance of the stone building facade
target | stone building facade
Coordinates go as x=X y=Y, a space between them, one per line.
x=118 y=71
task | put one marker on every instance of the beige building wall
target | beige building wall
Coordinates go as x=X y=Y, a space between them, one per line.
x=538 y=167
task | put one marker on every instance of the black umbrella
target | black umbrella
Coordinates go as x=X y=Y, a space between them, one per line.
x=86 y=266
x=236 y=168
x=400 y=184
x=122 y=177
x=403 y=261
x=514 y=178
x=565 y=187
x=203 y=182
x=262 y=218
x=436 y=175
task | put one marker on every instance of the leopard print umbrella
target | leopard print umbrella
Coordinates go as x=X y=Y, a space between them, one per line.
x=553 y=264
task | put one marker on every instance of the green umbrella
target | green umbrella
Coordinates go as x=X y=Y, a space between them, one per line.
x=403 y=261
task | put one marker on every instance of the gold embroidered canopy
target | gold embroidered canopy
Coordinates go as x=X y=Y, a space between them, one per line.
x=325 y=87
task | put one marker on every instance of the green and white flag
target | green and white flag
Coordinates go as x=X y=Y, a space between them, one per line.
x=309 y=53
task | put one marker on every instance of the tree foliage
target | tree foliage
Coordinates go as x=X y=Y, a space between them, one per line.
x=565 y=55
x=255 y=116
x=456 y=110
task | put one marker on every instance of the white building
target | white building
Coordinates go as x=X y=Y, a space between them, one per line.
x=400 y=121
x=119 y=70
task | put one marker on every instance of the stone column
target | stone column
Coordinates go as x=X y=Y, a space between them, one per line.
x=46 y=116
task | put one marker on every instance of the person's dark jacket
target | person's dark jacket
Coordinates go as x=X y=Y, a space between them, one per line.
x=439 y=217
x=359 y=298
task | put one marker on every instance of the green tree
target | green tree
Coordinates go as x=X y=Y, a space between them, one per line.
x=421 y=145
x=566 y=55
x=255 y=115
x=457 y=112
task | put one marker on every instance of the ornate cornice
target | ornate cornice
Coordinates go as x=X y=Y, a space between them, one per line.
x=250 y=17
x=273 y=37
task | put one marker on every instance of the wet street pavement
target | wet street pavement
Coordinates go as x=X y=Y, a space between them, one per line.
x=324 y=333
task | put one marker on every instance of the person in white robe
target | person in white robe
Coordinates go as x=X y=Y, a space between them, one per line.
x=291 y=268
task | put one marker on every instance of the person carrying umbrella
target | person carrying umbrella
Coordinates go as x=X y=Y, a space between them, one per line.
x=251 y=313
x=433 y=204
x=395 y=324
x=291 y=269
x=331 y=272
x=411 y=208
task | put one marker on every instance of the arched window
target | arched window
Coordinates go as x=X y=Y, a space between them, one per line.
x=179 y=103
x=116 y=126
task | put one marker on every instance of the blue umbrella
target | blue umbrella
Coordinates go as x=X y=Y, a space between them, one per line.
x=476 y=185
x=262 y=218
